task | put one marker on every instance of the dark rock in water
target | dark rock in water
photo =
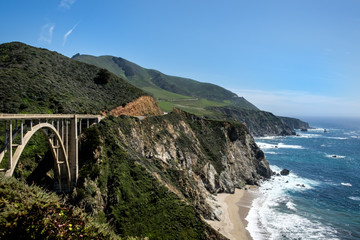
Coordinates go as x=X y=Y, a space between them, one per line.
x=334 y=156
x=287 y=182
x=300 y=185
x=285 y=172
x=278 y=174
x=303 y=129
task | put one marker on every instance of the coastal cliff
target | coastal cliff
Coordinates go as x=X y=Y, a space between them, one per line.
x=295 y=123
x=186 y=158
x=259 y=123
x=222 y=154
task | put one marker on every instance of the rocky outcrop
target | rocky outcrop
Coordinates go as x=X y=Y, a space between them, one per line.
x=259 y=123
x=295 y=123
x=143 y=106
x=205 y=156
x=285 y=172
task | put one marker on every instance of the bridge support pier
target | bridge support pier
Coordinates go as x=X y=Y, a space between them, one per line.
x=73 y=150
x=62 y=132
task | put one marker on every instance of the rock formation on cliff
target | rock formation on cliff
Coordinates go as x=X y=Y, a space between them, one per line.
x=189 y=156
x=143 y=106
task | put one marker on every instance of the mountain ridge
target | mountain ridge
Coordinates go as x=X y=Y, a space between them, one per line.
x=203 y=99
x=145 y=78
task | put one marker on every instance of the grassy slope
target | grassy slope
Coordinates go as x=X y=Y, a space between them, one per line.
x=133 y=73
x=41 y=81
x=198 y=98
x=170 y=91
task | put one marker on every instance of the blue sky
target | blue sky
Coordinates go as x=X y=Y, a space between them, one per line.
x=291 y=57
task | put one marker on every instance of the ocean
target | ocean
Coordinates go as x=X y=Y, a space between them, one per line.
x=320 y=198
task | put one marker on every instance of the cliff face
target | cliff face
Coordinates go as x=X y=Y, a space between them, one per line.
x=210 y=156
x=143 y=106
x=295 y=123
x=147 y=173
x=259 y=123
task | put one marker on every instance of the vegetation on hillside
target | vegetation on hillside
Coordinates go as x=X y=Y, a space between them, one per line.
x=169 y=89
x=115 y=186
x=34 y=80
x=29 y=212
x=202 y=99
x=259 y=123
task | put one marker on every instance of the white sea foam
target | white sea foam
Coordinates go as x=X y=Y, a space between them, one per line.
x=269 y=152
x=290 y=205
x=354 y=198
x=268 y=137
x=308 y=135
x=338 y=138
x=281 y=145
x=264 y=146
x=319 y=130
x=346 y=184
x=353 y=134
x=334 y=156
x=274 y=214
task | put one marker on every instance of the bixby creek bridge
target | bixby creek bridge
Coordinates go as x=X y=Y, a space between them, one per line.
x=62 y=132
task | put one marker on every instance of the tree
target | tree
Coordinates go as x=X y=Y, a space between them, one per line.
x=103 y=77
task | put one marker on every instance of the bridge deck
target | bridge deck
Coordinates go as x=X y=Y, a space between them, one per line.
x=47 y=116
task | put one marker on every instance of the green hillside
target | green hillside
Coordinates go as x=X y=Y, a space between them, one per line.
x=41 y=81
x=203 y=99
x=170 y=91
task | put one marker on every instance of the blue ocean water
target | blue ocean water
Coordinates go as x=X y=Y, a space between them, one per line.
x=320 y=198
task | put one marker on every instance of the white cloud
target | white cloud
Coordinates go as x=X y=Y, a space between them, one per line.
x=68 y=33
x=46 y=33
x=66 y=3
x=297 y=104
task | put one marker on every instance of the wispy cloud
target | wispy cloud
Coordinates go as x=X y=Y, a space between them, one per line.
x=66 y=3
x=68 y=33
x=297 y=104
x=46 y=33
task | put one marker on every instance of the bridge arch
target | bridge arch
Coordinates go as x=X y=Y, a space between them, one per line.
x=58 y=151
x=62 y=132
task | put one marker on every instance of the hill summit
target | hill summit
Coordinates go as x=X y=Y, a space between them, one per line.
x=202 y=99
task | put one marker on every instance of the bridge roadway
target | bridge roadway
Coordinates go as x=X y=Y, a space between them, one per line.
x=62 y=132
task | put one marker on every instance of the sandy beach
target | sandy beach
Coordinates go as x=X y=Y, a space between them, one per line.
x=235 y=208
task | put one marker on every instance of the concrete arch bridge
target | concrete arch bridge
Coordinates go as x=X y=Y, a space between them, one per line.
x=62 y=132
